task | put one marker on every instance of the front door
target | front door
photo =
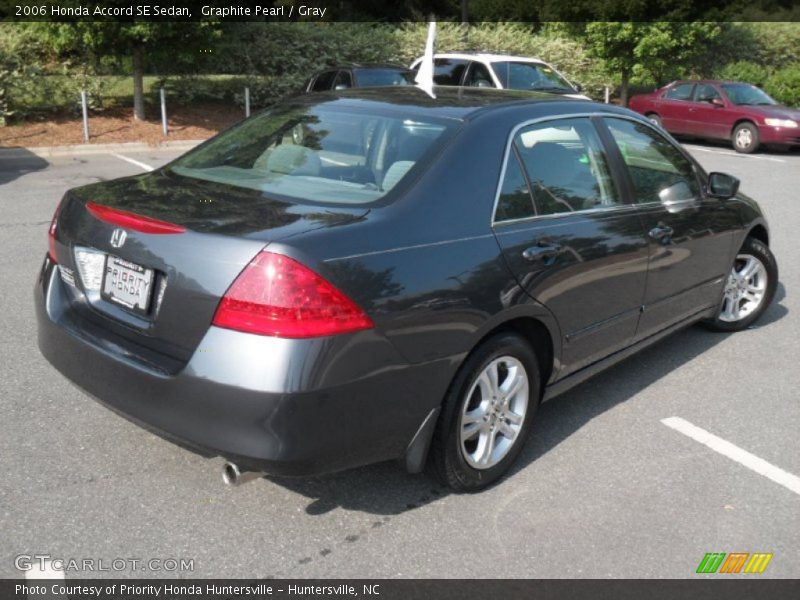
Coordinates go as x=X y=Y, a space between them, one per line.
x=708 y=113
x=570 y=239
x=690 y=235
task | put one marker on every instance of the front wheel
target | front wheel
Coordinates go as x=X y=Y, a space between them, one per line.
x=487 y=414
x=749 y=289
x=745 y=138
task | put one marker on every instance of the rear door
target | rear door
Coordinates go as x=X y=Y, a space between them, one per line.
x=690 y=236
x=572 y=241
x=675 y=106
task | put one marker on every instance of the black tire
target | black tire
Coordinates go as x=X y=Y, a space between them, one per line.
x=759 y=250
x=655 y=119
x=745 y=138
x=447 y=457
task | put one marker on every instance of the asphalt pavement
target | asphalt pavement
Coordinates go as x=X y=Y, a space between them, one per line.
x=604 y=488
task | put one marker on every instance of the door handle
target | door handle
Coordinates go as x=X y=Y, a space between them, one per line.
x=542 y=250
x=661 y=232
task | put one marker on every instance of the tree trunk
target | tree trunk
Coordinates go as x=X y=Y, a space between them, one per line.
x=623 y=88
x=138 y=84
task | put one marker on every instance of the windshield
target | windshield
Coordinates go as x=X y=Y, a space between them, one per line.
x=530 y=76
x=317 y=154
x=380 y=77
x=746 y=94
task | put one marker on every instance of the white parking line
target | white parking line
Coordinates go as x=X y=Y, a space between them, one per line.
x=133 y=161
x=722 y=152
x=43 y=570
x=732 y=451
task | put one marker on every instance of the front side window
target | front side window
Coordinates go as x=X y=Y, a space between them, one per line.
x=381 y=77
x=658 y=170
x=566 y=166
x=530 y=76
x=706 y=93
x=448 y=71
x=318 y=154
x=682 y=91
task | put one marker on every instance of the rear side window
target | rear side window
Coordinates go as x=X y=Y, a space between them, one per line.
x=479 y=76
x=316 y=153
x=682 y=91
x=343 y=81
x=515 y=200
x=324 y=81
x=566 y=167
x=448 y=71
x=658 y=170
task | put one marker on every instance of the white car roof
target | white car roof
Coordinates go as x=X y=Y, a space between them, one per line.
x=488 y=57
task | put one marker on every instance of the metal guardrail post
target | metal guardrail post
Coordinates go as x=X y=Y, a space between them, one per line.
x=164 y=126
x=85 y=110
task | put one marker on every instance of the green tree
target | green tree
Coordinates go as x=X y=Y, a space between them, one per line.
x=144 y=43
x=659 y=50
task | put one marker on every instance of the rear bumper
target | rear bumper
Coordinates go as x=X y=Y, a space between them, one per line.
x=285 y=407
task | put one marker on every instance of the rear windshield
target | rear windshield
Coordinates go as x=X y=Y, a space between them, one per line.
x=317 y=154
x=380 y=77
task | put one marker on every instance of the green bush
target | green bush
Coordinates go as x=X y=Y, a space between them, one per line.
x=743 y=70
x=784 y=85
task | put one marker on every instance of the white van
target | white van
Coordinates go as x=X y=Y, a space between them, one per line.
x=500 y=71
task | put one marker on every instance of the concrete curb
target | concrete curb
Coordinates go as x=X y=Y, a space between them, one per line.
x=88 y=149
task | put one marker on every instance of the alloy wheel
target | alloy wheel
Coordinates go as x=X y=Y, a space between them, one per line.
x=493 y=412
x=744 y=290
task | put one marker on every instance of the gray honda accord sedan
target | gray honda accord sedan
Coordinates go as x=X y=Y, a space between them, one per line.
x=378 y=274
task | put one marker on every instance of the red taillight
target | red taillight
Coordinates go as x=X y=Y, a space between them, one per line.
x=51 y=235
x=130 y=220
x=276 y=295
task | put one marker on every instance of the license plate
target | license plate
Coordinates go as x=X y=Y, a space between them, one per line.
x=127 y=283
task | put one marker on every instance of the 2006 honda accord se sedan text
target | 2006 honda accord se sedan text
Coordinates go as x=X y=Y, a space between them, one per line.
x=378 y=274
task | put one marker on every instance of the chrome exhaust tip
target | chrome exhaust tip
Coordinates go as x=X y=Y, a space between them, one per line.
x=233 y=476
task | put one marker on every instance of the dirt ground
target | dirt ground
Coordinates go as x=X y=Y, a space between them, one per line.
x=117 y=125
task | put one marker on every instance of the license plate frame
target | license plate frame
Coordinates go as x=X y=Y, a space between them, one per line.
x=132 y=282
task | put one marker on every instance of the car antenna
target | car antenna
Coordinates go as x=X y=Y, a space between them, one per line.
x=424 y=78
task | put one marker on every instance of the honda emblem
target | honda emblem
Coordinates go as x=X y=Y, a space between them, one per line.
x=118 y=238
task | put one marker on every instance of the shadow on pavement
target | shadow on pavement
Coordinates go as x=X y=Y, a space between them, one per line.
x=386 y=489
x=16 y=162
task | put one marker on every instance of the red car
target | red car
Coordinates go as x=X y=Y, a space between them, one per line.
x=721 y=110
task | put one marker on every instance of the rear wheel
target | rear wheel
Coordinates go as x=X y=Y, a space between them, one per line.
x=749 y=289
x=745 y=138
x=487 y=414
x=654 y=119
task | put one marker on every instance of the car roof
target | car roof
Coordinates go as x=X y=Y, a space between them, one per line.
x=714 y=81
x=485 y=56
x=365 y=66
x=459 y=103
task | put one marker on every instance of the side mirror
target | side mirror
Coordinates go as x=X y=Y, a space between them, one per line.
x=717 y=102
x=722 y=185
x=341 y=86
x=578 y=87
